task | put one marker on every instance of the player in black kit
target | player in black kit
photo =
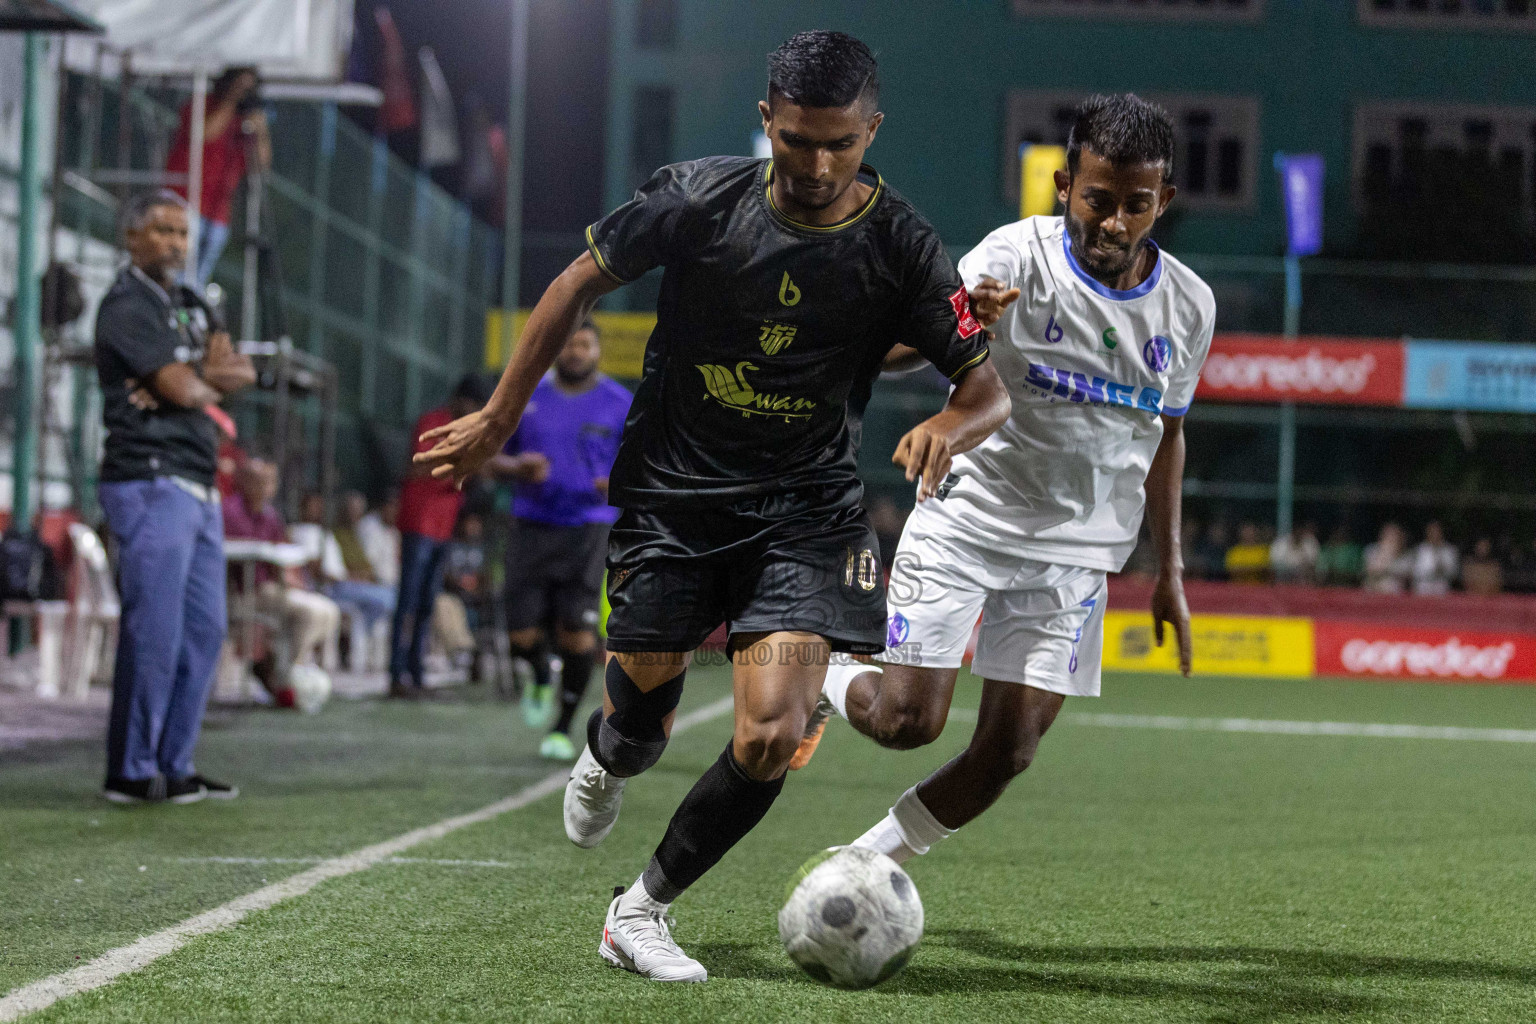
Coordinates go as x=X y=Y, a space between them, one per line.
x=785 y=284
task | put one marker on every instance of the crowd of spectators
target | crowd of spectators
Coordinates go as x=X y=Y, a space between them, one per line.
x=1427 y=563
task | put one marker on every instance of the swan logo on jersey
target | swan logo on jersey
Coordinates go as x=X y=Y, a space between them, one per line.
x=1053 y=332
x=1111 y=339
x=896 y=629
x=1158 y=353
x=968 y=325
x=732 y=390
x=1079 y=387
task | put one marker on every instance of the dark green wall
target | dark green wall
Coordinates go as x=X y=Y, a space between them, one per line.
x=947 y=68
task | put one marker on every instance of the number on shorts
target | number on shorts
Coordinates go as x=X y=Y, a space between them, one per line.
x=1089 y=604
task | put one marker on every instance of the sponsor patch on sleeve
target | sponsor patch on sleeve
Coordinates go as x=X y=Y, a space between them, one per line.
x=968 y=326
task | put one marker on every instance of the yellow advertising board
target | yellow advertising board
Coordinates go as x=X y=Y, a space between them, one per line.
x=624 y=338
x=1226 y=645
x=1037 y=179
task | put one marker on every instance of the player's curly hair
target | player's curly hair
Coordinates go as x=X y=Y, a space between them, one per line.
x=823 y=69
x=1123 y=129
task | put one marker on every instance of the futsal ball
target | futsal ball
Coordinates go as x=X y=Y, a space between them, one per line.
x=311 y=687
x=852 y=917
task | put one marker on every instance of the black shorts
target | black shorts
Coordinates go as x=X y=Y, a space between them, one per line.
x=764 y=565
x=555 y=575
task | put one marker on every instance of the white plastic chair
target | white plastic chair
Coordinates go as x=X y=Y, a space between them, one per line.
x=93 y=634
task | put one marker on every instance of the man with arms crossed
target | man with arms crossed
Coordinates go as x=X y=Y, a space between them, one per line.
x=1101 y=355
x=786 y=283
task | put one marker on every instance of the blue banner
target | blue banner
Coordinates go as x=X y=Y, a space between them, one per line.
x=1301 y=183
x=1479 y=376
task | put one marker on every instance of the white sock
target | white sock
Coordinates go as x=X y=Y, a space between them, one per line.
x=908 y=831
x=840 y=674
x=638 y=900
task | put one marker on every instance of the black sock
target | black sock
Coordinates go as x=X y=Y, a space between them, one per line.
x=536 y=656
x=723 y=806
x=574 y=678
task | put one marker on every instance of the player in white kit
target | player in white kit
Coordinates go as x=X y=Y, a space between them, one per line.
x=1101 y=353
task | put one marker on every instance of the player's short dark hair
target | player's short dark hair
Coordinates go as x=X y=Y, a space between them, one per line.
x=823 y=69
x=588 y=324
x=135 y=212
x=1123 y=129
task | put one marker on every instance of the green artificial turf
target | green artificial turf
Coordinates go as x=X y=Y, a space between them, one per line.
x=1132 y=875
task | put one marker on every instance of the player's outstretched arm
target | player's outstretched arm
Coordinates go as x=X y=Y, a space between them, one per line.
x=977 y=406
x=1165 y=488
x=988 y=301
x=466 y=444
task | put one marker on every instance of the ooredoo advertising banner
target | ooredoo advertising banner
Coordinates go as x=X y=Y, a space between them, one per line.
x=1309 y=370
x=1372 y=650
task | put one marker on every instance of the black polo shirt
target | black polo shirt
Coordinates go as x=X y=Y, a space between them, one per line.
x=141 y=328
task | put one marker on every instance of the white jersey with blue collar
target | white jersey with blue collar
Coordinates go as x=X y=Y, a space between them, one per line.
x=1091 y=371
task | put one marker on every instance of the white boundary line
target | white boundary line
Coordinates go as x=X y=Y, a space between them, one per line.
x=111 y=965
x=259 y=861
x=1281 y=727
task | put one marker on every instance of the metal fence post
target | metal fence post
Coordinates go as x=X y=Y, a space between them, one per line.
x=1285 y=482
x=27 y=326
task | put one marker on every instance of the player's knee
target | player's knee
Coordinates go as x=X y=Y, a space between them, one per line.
x=764 y=749
x=1005 y=760
x=575 y=641
x=633 y=738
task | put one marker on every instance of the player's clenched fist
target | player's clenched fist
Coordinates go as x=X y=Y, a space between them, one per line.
x=924 y=452
x=462 y=447
x=989 y=299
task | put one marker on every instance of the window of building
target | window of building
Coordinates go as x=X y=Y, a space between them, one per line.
x=651 y=122
x=1519 y=15
x=1443 y=178
x=1216 y=142
x=1163 y=10
x=656 y=24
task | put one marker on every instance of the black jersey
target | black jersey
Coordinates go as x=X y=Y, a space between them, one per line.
x=769 y=332
x=140 y=328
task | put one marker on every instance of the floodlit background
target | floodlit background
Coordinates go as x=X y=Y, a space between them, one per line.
x=1357 y=183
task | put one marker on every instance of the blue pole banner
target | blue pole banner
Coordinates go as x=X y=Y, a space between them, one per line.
x=1477 y=376
x=1301 y=184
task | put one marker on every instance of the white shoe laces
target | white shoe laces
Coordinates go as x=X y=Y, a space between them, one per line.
x=653 y=934
x=594 y=778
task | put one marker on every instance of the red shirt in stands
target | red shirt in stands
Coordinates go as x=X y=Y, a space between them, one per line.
x=428 y=506
x=223 y=165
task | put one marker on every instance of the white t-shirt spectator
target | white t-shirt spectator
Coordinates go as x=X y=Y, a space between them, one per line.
x=1292 y=558
x=320 y=545
x=1386 y=568
x=1434 y=568
x=381 y=543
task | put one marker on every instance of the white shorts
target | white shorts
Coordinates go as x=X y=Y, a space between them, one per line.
x=1041 y=624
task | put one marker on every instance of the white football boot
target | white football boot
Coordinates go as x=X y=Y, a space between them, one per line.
x=592 y=799
x=637 y=936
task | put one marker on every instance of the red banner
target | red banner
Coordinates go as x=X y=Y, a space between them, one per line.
x=1371 y=650
x=1313 y=370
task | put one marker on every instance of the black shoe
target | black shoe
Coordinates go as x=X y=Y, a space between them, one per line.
x=215 y=790
x=134 y=791
x=400 y=689
x=185 y=791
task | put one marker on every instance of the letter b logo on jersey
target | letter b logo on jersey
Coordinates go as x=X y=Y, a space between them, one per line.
x=789 y=294
x=1053 y=331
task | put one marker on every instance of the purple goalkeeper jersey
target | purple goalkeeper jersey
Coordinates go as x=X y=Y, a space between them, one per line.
x=579 y=435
